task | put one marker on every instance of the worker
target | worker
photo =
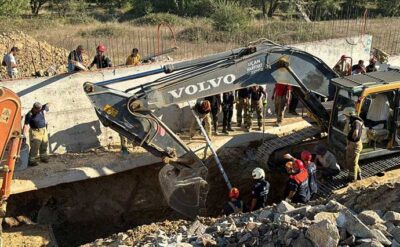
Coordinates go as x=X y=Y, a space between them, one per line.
x=215 y=102
x=327 y=162
x=260 y=190
x=100 y=60
x=281 y=95
x=75 y=57
x=234 y=205
x=294 y=101
x=134 y=59
x=343 y=67
x=306 y=157
x=359 y=68
x=258 y=99
x=372 y=65
x=354 y=145
x=10 y=62
x=298 y=187
x=35 y=122
x=242 y=106
x=228 y=99
x=202 y=109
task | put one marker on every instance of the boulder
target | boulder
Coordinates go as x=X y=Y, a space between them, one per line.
x=326 y=216
x=353 y=225
x=395 y=244
x=283 y=207
x=323 y=233
x=396 y=233
x=334 y=206
x=197 y=228
x=378 y=235
x=373 y=243
x=369 y=217
x=393 y=217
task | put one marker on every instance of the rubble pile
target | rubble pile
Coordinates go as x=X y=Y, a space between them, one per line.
x=324 y=222
x=36 y=58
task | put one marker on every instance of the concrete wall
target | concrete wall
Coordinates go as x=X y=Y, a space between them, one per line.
x=73 y=125
x=394 y=60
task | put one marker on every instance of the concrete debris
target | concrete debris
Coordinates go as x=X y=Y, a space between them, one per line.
x=325 y=222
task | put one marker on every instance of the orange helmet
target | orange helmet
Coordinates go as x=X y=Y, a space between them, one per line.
x=289 y=166
x=205 y=105
x=234 y=193
x=101 y=48
x=306 y=156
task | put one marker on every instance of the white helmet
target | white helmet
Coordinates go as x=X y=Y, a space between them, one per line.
x=258 y=173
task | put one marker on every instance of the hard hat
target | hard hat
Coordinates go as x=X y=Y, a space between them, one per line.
x=258 y=173
x=234 y=193
x=205 y=105
x=306 y=156
x=298 y=164
x=101 y=48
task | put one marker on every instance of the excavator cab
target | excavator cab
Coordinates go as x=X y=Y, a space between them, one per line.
x=375 y=97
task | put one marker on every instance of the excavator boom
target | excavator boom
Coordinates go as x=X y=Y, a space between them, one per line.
x=183 y=179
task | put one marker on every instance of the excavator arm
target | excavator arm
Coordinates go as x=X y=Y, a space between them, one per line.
x=183 y=178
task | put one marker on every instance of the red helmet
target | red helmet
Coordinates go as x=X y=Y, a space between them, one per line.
x=306 y=156
x=101 y=48
x=299 y=164
x=234 y=193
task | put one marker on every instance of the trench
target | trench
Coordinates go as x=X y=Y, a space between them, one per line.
x=84 y=211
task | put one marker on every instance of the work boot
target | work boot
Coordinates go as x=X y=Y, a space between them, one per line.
x=33 y=163
x=44 y=159
x=293 y=113
x=239 y=125
x=247 y=129
x=278 y=124
x=215 y=133
x=230 y=128
x=225 y=131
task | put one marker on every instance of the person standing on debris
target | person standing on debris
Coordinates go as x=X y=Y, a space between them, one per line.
x=359 y=68
x=260 y=190
x=202 y=109
x=372 y=65
x=215 y=102
x=35 y=123
x=258 y=100
x=228 y=99
x=242 y=106
x=100 y=60
x=75 y=58
x=134 y=59
x=281 y=96
x=306 y=157
x=298 y=187
x=10 y=62
x=354 y=145
x=234 y=205
x=327 y=161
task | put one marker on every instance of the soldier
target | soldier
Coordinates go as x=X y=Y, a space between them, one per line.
x=242 y=105
x=354 y=145
x=281 y=95
x=228 y=99
x=258 y=98
x=215 y=102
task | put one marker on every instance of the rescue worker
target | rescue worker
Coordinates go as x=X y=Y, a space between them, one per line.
x=10 y=62
x=327 y=161
x=260 y=190
x=372 y=65
x=35 y=123
x=215 y=102
x=202 y=109
x=134 y=59
x=354 y=145
x=100 y=60
x=343 y=67
x=242 y=106
x=298 y=187
x=234 y=205
x=258 y=98
x=306 y=157
x=281 y=95
x=228 y=99
x=74 y=57
x=359 y=68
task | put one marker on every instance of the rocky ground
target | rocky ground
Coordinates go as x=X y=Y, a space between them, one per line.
x=360 y=216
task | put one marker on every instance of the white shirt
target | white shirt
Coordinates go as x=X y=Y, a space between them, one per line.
x=328 y=161
x=10 y=61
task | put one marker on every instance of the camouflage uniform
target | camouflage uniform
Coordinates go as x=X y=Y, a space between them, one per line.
x=242 y=106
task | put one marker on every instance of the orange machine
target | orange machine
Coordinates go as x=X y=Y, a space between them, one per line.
x=10 y=140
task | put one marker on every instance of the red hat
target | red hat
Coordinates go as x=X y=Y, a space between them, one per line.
x=306 y=156
x=234 y=193
x=101 y=48
x=299 y=164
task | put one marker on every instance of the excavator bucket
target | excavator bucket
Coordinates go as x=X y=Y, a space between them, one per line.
x=184 y=189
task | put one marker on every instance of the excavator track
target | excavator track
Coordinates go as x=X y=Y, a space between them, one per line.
x=369 y=168
x=270 y=146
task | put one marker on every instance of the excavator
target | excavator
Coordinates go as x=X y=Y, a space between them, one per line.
x=10 y=143
x=183 y=176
